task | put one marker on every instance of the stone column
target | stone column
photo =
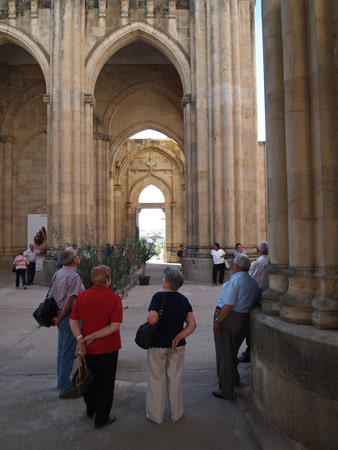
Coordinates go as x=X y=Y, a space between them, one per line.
x=66 y=126
x=199 y=161
x=101 y=178
x=276 y=157
x=173 y=207
x=222 y=191
x=77 y=116
x=66 y=116
x=227 y=123
x=7 y=200
x=88 y=170
x=302 y=105
x=189 y=158
x=296 y=305
x=117 y=207
x=96 y=185
x=323 y=20
x=107 y=201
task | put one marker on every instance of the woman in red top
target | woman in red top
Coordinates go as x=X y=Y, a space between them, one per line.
x=100 y=312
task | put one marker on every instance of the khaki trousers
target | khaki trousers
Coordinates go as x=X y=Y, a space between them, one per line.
x=164 y=368
x=233 y=331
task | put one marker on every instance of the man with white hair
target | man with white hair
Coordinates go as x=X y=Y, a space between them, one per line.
x=231 y=323
x=259 y=273
x=258 y=267
x=66 y=286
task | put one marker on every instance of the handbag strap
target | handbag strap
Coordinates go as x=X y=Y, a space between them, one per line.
x=54 y=277
x=160 y=313
x=18 y=262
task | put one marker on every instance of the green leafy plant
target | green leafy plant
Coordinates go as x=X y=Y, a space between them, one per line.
x=93 y=252
x=144 y=252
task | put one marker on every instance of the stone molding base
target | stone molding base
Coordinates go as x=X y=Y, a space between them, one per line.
x=293 y=369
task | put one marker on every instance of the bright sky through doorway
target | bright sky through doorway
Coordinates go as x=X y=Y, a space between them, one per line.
x=151 y=220
x=151 y=194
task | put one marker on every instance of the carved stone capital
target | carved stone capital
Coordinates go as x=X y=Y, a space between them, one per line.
x=102 y=137
x=124 y=8
x=187 y=98
x=172 y=9
x=11 y=9
x=150 y=9
x=102 y=8
x=89 y=99
x=47 y=98
x=34 y=9
x=7 y=139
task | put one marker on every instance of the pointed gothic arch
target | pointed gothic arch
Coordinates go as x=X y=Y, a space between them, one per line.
x=128 y=34
x=9 y=33
x=140 y=126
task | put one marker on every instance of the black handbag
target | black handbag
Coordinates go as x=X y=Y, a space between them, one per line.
x=47 y=310
x=82 y=377
x=146 y=333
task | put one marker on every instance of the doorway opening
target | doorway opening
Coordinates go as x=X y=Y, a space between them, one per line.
x=151 y=220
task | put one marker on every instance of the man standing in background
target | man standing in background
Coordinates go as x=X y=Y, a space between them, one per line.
x=31 y=254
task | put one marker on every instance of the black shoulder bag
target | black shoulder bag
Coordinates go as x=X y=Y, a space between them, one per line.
x=47 y=310
x=146 y=333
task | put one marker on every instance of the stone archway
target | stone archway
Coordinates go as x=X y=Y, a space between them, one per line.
x=135 y=167
x=129 y=33
x=23 y=136
x=22 y=39
x=129 y=103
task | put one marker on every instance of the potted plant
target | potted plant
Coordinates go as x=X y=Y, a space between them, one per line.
x=145 y=251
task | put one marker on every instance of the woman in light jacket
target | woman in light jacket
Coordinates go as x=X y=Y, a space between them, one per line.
x=165 y=359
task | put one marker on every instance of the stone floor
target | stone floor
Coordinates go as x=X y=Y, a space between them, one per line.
x=33 y=417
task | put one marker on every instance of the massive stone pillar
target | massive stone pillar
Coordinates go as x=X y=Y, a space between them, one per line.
x=301 y=104
x=291 y=351
x=222 y=163
x=70 y=162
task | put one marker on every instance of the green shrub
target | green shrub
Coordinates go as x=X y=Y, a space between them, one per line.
x=123 y=262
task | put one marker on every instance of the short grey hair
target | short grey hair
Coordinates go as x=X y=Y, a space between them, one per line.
x=67 y=256
x=174 y=277
x=263 y=247
x=243 y=262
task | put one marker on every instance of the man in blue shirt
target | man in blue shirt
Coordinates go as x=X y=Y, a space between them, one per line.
x=231 y=323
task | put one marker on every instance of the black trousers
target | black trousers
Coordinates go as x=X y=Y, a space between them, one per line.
x=31 y=272
x=20 y=273
x=218 y=268
x=99 y=396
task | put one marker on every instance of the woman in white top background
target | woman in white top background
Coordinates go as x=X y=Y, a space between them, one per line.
x=218 y=259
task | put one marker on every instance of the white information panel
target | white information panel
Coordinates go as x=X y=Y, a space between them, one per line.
x=34 y=224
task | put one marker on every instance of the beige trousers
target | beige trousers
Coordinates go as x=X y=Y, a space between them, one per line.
x=164 y=368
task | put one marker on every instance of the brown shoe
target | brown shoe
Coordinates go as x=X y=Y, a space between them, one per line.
x=111 y=420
